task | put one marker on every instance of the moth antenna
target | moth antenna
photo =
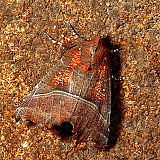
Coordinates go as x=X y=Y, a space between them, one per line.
x=74 y=32
x=52 y=39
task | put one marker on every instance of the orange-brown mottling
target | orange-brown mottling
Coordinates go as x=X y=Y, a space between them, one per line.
x=26 y=55
x=84 y=68
x=56 y=79
x=98 y=92
x=94 y=42
x=71 y=53
x=74 y=62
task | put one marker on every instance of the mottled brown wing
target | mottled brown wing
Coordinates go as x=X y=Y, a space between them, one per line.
x=77 y=90
x=55 y=107
x=99 y=93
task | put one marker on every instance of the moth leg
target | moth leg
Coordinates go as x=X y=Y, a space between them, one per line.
x=52 y=39
x=74 y=32
x=116 y=50
x=65 y=45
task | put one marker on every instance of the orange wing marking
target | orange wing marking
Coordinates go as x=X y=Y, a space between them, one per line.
x=67 y=74
x=76 y=61
x=98 y=92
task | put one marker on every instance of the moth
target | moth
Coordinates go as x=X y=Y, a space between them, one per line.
x=76 y=90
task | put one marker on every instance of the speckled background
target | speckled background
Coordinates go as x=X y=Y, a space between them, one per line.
x=27 y=54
